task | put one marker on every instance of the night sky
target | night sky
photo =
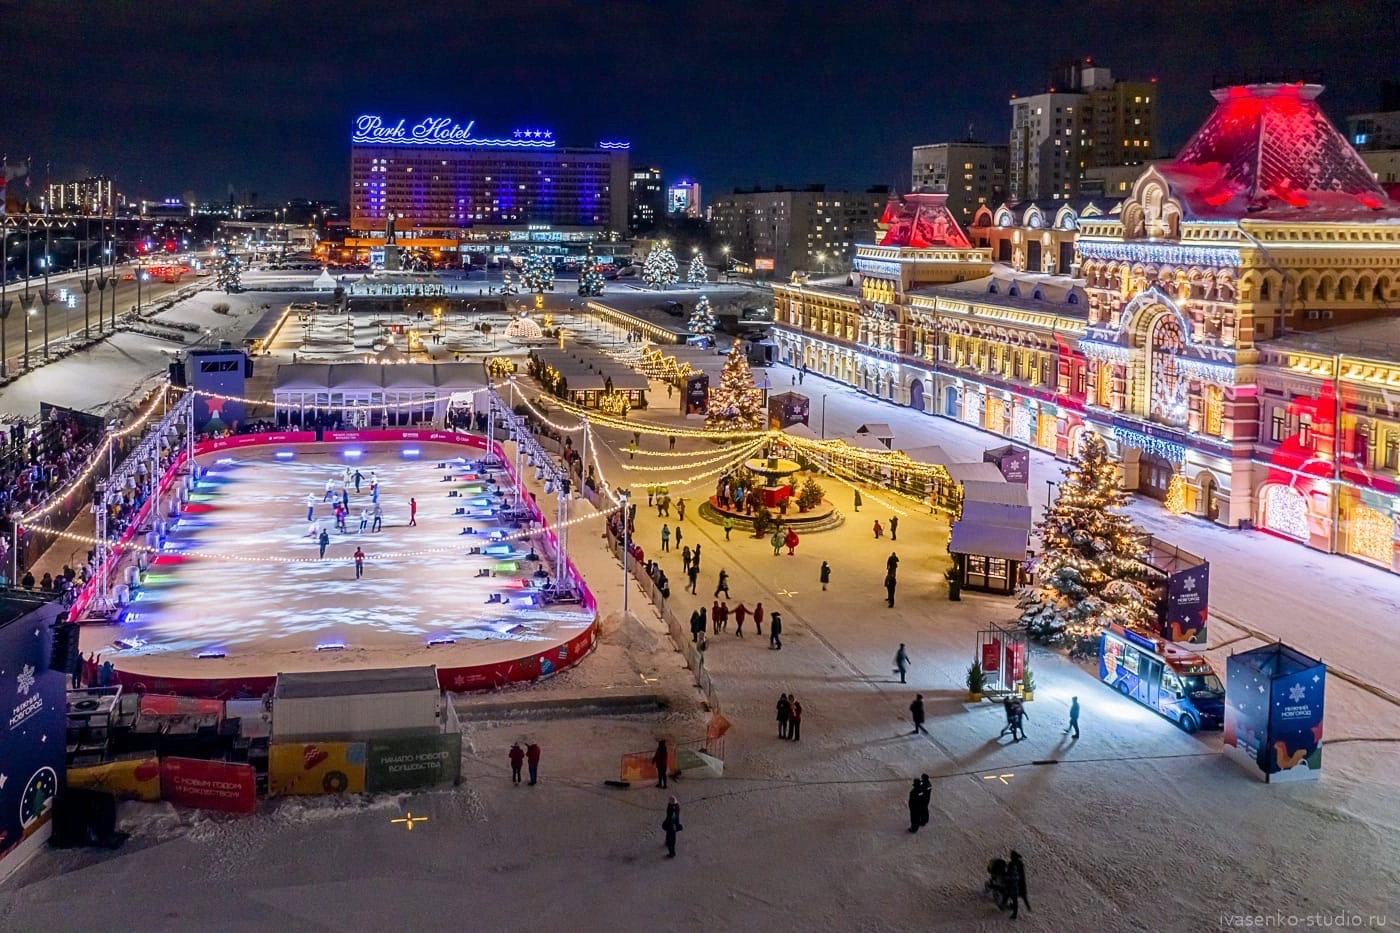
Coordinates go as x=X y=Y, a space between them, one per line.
x=173 y=97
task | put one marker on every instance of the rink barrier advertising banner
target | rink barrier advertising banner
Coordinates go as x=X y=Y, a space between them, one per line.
x=413 y=761
x=129 y=779
x=1274 y=704
x=1188 y=605
x=209 y=785
x=157 y=704
x=455 y=679
x=33 y=728
x=310 y=768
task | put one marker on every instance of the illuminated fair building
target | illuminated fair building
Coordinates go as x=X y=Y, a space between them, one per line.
x=1230 y=327
x=448 y=184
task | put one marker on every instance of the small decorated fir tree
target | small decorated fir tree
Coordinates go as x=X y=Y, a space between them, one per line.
x=736 y=404
x=508 y=286
x=697 y=274
x=590 y=279
x=537 y=273
x=702 y=319
x=660 y=269
x=1088 y=574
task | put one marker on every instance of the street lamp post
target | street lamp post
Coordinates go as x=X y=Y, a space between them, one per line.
x=5 y=302
x=45 y=297
x=1050 y=484
x=626 y=547
x=28 y=302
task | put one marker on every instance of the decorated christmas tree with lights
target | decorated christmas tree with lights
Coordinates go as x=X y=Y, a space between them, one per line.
x=702 y=319
x=660 y=269
x=736 y=404
x=229 y=273
x=537 y=272
x=508 y=286
x=697 y=274
x=1088 y=575
x=590 y=280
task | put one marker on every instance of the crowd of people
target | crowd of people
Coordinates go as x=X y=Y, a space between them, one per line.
x=40 y=460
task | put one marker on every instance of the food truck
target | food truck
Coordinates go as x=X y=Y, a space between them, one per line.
x=1179 y=684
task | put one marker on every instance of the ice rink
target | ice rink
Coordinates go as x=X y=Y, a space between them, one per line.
x=241 y=582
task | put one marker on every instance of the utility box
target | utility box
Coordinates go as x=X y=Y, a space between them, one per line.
x=356 y=704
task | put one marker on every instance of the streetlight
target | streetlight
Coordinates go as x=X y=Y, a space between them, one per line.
x=1050 y=484
x=626 y=551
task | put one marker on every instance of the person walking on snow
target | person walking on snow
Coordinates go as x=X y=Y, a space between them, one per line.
x=364 y=520
x=1016 y=883
x=662 y=760
x=889 y=589
x=916 y=712
x=1073 y=717
x=901 y=662
x=784 y=714
x=728 y=526
x=359 y=562
x=685 y=558
x=758 y=618
x=694 y=574
x=740 y=613
x=776 y=539
x=714 y=615
x=894 y=527
x=345 y=498
x=665 y=538
x=330 y=490
x=857 y=500
x=672 y=825
x=324 y=541
x=310 y=507
x=680 y=509
x=378 y=517
x=532 y=757
x=892 y=563
x=916 y=798
x=879 y=531
x=678 y=535
x=723 y=585
x=517 y=760
x=412 y=511
x=825 y=575
x=775 y=632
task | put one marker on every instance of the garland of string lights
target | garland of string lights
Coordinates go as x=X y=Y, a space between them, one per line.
x=98 y=457
x=728 y=456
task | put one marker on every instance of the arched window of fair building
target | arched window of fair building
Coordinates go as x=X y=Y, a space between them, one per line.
x=1213 y=400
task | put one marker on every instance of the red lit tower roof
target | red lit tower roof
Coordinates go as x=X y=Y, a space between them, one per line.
x=921 y=221
x=1268 y=150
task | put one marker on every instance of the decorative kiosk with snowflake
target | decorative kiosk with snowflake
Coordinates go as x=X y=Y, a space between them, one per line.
x=1273 y=712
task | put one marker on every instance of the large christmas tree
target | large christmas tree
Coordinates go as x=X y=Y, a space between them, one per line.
x=590 y=279
x=229 y=275
x=736 y=404
x=1088 y=574
x=537 y=272
x=702 y=319
x=508 y=286
x=660 y=269
x=697 y=274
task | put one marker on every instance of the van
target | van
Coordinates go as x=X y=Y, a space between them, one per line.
x=1163 y=676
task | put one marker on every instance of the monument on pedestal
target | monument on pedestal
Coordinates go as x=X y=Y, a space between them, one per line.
x=391 y=247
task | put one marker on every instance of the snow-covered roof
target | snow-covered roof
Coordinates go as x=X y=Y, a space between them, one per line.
x=1000 y=492
x=976 y=472
x=992 y=530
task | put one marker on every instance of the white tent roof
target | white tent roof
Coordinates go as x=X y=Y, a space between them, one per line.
x=801 y=430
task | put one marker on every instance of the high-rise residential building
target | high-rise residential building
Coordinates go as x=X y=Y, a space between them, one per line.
x=683 y=199
x=88 y=195
x=1380 y=129
x=784 y=230
x=971 y=173
x=1087 y=120
x=646 y=200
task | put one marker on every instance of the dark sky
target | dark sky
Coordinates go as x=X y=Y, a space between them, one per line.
x=171 y=97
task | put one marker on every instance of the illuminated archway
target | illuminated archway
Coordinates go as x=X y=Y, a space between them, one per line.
x=1285 y=511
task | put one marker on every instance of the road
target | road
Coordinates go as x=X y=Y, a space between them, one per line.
x=64 y=320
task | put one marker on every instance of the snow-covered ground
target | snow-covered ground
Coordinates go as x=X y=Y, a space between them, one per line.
x=1134 y=826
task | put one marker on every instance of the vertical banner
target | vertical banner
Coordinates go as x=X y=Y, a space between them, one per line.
x=209 y=785
x=1015 y=662
x=1295 y=725
x=33 y=726
x=413 y=761
x=1188 y=605
x=991 y=656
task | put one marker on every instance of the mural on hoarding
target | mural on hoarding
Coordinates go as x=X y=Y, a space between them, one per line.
x=32 y=747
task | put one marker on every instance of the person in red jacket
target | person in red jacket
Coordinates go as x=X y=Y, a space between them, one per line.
x=790 y=540
x=517 y=758
x=412 y=511
x=532 y=755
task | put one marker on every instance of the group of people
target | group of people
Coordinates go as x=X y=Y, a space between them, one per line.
x=530 y=755
x=1006 y=880
x=920 y=796
x=879 y=529
x=789 y=718
x=1016 y=717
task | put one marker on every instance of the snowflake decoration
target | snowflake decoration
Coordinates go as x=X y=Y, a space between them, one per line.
x=1189 y=584
x=1297 y=692
x=26 y=679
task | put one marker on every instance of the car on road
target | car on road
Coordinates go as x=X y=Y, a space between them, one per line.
x=673 y=308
